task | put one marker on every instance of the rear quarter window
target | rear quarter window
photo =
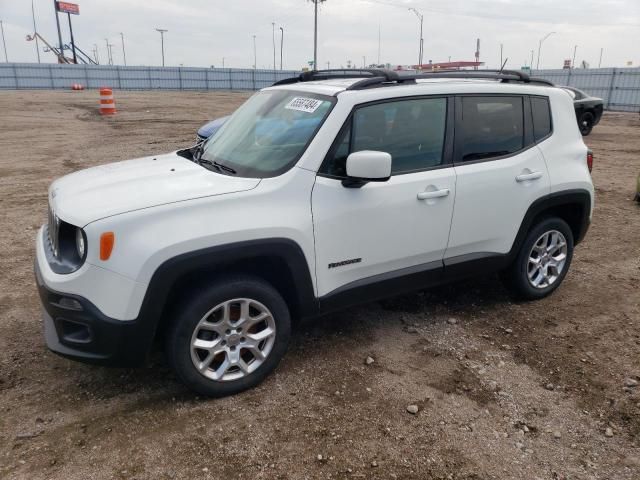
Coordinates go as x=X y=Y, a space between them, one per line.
x=541 y=113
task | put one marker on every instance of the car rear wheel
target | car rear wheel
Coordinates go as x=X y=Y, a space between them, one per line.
x=543 y=260
x=586 y=123
x=229 y=336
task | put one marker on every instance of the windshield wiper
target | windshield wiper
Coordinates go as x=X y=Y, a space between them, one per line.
x=218 y=166
x=225 y=168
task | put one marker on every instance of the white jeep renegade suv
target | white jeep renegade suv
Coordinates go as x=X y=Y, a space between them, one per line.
x=323 y=191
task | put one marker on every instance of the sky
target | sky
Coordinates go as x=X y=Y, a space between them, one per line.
x=203 y=32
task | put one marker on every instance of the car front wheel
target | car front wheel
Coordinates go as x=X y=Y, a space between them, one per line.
x=229 y=336
x=543 y=260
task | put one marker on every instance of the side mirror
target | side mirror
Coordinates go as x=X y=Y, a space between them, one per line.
x=367 y=166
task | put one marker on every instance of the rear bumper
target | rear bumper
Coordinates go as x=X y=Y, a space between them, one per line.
x=77 y=329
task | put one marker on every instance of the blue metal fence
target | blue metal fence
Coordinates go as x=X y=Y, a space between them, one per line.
x=53 y=76
x=619 y=87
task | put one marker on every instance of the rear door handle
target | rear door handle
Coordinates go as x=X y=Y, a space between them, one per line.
x=529 y=176
x=433 y=194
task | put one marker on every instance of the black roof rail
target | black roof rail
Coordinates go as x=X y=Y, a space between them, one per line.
x=368 y=73
x=372 y=77
x=504 y=76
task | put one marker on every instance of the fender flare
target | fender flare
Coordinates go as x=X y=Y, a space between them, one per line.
x=169 y=273
x=580 y=197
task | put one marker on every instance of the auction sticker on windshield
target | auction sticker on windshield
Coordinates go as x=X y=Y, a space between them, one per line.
x=302 y=104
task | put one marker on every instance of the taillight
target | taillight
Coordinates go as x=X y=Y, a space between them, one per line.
x=590 y=160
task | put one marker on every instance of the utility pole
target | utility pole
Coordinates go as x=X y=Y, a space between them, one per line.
x=162 y=32
x=106 y=41
x=501 y=47
x=573 y=62
x=600 y=61
x=540 y=48
x=35 y=30
x=421 y=42
x=110 y=47
x=531 y=62
x=124 y=55
x=364 y=62
x=281 y=45
x=95 y=53
x=255 y=54
x=222 y=62
x=4 y=43
x=55 y=9
x=328 y=65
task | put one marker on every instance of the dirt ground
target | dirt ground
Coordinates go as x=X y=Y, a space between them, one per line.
x=505 y=390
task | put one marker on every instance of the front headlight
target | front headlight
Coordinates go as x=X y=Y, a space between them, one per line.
x=81 y=246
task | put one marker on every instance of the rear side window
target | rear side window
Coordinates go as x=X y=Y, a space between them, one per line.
x=491 y=127
x=541 y=117
x=412 y=131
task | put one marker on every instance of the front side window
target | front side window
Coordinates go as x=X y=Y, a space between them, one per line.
x=268 y=133
x=411 y=131
x=491 y=127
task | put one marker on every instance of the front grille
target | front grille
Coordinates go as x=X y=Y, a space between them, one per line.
x=53 y=231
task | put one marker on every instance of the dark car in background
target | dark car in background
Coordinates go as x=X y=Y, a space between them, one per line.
x=588 y=109
x=209 y=129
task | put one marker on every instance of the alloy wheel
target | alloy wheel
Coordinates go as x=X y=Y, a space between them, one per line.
x=233 y=339
x=547 y=259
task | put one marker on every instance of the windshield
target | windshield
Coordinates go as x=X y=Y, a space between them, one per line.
x=269 y=133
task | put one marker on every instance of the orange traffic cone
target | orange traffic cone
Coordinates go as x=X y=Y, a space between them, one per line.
x=107 y=103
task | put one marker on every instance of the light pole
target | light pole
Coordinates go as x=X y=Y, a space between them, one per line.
x=315 y=33
x=4 y=43
x=124 y=55
x=540 y=47
x=573 y=62
x=501 y=47
x=95 y=53
x=33 y=15
x=255 y=54
x=162 y=32
x=421 y=18
x=364 y=62
x=110 y=46
x=281 y=45
x=273 y=40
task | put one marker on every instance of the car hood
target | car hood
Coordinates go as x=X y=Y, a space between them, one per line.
x=99 y=192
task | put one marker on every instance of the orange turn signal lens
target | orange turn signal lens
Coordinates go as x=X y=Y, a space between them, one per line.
x=107 y=240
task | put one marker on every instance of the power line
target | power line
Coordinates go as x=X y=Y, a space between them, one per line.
x=490 y=16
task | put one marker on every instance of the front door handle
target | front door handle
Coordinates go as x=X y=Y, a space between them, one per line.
x=433 y=194
x=528 y=176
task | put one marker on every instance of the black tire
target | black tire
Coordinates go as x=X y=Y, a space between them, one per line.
x=189 y=314
x=586 y=122
x=516 y=277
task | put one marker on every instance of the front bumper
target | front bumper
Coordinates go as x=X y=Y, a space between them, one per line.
x=75 y=328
